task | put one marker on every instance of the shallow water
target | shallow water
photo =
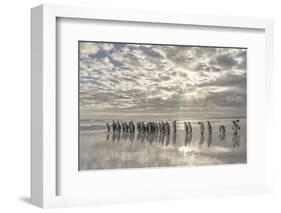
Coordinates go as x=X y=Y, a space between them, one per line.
x=100 y=149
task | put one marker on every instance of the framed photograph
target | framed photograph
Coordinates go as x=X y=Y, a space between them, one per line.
x=129 y=106
x=148 y=105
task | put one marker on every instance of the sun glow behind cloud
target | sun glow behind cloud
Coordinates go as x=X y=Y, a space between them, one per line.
x=136 y=78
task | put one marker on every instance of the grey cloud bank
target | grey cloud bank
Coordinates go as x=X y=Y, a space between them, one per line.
x=144 y=79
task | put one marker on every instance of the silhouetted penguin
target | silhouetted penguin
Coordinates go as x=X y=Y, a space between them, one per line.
x=108 y=127
x=174 y=126
x=222 y=129
x=189 y=127
x=167 y=128
x=210 y=130
x=185 y=127
x=202 y=128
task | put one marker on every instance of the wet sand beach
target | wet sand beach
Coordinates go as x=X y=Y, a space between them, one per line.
x=100 y=149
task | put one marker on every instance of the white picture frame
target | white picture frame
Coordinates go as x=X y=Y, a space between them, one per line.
x=44 y=154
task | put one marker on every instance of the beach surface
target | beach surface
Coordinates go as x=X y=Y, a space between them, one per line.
x=100 y=149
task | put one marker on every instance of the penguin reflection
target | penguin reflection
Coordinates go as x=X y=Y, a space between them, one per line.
x=125 y=136
x=139 y=135
x=202 y=138
x=116 y=137
x=155 y=138
x=150 y=138
x=209 y=139
x=113 y=138
x=236 y=140
x=222 y=136
x=146 y=137
x=107 y=136
x=167 y=141
x=187 y=139
x=174 y=138
x=132 y=137
x=142 y=137
x=162 y=138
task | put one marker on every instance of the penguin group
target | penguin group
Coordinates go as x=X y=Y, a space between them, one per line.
x=117 y=126
x=165 y=128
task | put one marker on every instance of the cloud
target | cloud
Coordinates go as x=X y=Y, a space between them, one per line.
x=138 y=78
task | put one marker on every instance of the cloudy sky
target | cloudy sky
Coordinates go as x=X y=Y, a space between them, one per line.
x=154 y=79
